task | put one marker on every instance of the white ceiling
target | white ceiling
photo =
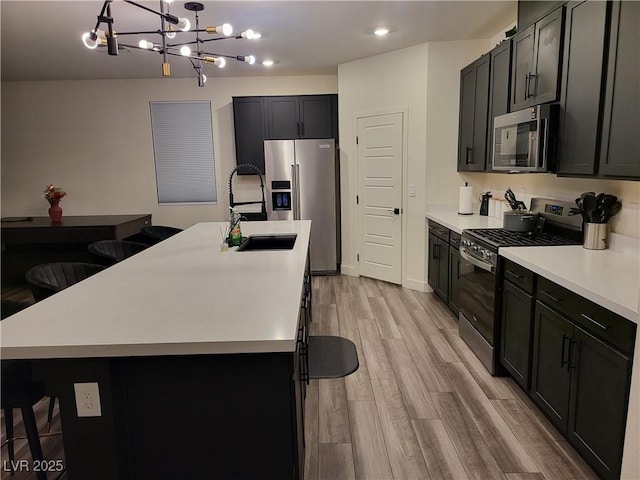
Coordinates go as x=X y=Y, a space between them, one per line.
x=40 y=40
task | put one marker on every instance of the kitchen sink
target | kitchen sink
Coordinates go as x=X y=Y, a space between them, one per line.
x=268 y=242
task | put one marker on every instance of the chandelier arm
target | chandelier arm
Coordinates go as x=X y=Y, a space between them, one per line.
x=143 y=32
x=101 y=14
x=236 y=37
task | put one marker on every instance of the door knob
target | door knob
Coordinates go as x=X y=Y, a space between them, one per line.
x=396 y=211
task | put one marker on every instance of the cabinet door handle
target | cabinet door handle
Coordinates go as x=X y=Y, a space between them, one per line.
x=301 y=129
x=527 y=80
x=564 y=342
x=572 y=345
x=514 y=274
x=468 y=156
x=298 y=129
x=596 y=323
x=535 y=85
x=458 y=270
x=555 y=299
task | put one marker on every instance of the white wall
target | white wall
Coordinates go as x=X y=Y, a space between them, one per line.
x=93 y=139
x=424 y=80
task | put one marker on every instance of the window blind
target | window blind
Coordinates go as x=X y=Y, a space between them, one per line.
x=183 y=151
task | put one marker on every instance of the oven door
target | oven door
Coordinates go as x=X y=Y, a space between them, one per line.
x=476 y=324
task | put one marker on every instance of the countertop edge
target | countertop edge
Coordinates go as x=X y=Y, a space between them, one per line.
x=591 y=295
x=149 y=350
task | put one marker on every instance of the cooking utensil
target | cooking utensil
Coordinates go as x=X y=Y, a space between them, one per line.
x=510 y=197
x=589 y=204
x=520 y=221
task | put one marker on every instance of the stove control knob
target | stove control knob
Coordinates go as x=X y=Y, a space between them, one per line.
x=489 y=255
x=483 y=253
x=474 y=248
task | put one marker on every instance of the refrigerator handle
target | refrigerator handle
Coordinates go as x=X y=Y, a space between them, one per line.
x=294 y=191
x=297 y=176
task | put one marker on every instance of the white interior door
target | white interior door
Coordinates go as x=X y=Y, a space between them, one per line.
x=380 y=141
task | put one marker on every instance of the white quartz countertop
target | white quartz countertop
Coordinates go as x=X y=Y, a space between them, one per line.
x=610 y=278
x=457 y=222
x=607 y=277
x=182 y=296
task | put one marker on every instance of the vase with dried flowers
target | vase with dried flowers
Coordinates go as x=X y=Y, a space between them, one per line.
x=53 y=196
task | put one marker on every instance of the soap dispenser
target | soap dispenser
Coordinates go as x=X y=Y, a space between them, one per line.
x=484 y=203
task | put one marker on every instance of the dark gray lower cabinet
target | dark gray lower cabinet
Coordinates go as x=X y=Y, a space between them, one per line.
x=517 y=325
x=582 y=384
x=438 y=275
x=600 y=378
x=454 y=274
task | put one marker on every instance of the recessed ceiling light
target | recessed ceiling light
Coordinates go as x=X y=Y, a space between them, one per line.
x=381 y=32
x=268 y=63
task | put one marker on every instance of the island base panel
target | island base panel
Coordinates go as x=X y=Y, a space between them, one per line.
x=206 y=416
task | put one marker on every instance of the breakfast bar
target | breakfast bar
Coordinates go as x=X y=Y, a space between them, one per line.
x=183 y=361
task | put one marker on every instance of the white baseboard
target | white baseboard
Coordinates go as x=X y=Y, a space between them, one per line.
x=349 y=270
x=418 y=285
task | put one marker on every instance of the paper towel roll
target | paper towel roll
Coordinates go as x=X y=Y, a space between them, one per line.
x=465 y=201
x=492 y=207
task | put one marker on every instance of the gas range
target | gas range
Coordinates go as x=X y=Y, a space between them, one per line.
x=480 y=271
x=560 y=229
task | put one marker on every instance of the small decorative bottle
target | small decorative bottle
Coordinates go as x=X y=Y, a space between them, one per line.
x=235 y=234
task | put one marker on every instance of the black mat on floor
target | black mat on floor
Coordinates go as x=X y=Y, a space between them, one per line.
x=331 y=357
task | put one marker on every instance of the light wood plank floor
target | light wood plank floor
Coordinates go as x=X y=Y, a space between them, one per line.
x=421 y=406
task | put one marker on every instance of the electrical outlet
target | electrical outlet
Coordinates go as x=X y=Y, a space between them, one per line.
x=87 y=399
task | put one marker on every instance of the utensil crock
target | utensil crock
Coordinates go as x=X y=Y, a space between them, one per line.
x=596 y=236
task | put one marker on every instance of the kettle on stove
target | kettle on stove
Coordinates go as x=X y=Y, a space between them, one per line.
x=484 y=203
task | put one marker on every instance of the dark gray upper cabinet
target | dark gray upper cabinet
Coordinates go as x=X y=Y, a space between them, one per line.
x=303 y=116
x=283 y=121
x=257 y=119
x=620 y=152
x=584 y=48
x=536 y=62
x=248 y=119
x=474 y=110
x=499 y=75
x=530 y=11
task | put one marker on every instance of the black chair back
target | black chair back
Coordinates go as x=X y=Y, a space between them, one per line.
x=49 y=278
x=157 y=233
x=114 y=251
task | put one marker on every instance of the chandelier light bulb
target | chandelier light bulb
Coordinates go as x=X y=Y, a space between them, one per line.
x=256 y=36
x=220 y=62
x=248 y=34
x=90 y=40
x=171 y=32
x=204 y=78
x=381 y=32
x=184 y=24
x=250 y=59
x=267 y=63
x=226 y=29
x=186 y=51
x=145 y=44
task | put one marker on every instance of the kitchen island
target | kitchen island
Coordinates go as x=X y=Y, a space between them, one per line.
x=196 y=353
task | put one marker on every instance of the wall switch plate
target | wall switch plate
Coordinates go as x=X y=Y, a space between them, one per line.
x=412 y=190
x=87 y=399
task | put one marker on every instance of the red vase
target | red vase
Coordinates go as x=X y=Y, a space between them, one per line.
x=55 y=212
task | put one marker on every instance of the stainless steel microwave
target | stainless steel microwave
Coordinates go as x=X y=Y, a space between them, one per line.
x=524 y=141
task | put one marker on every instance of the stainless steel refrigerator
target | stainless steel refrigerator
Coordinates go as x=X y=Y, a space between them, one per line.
x=301 y=184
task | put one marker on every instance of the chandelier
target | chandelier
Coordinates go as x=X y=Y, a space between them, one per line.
x=172 y=29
